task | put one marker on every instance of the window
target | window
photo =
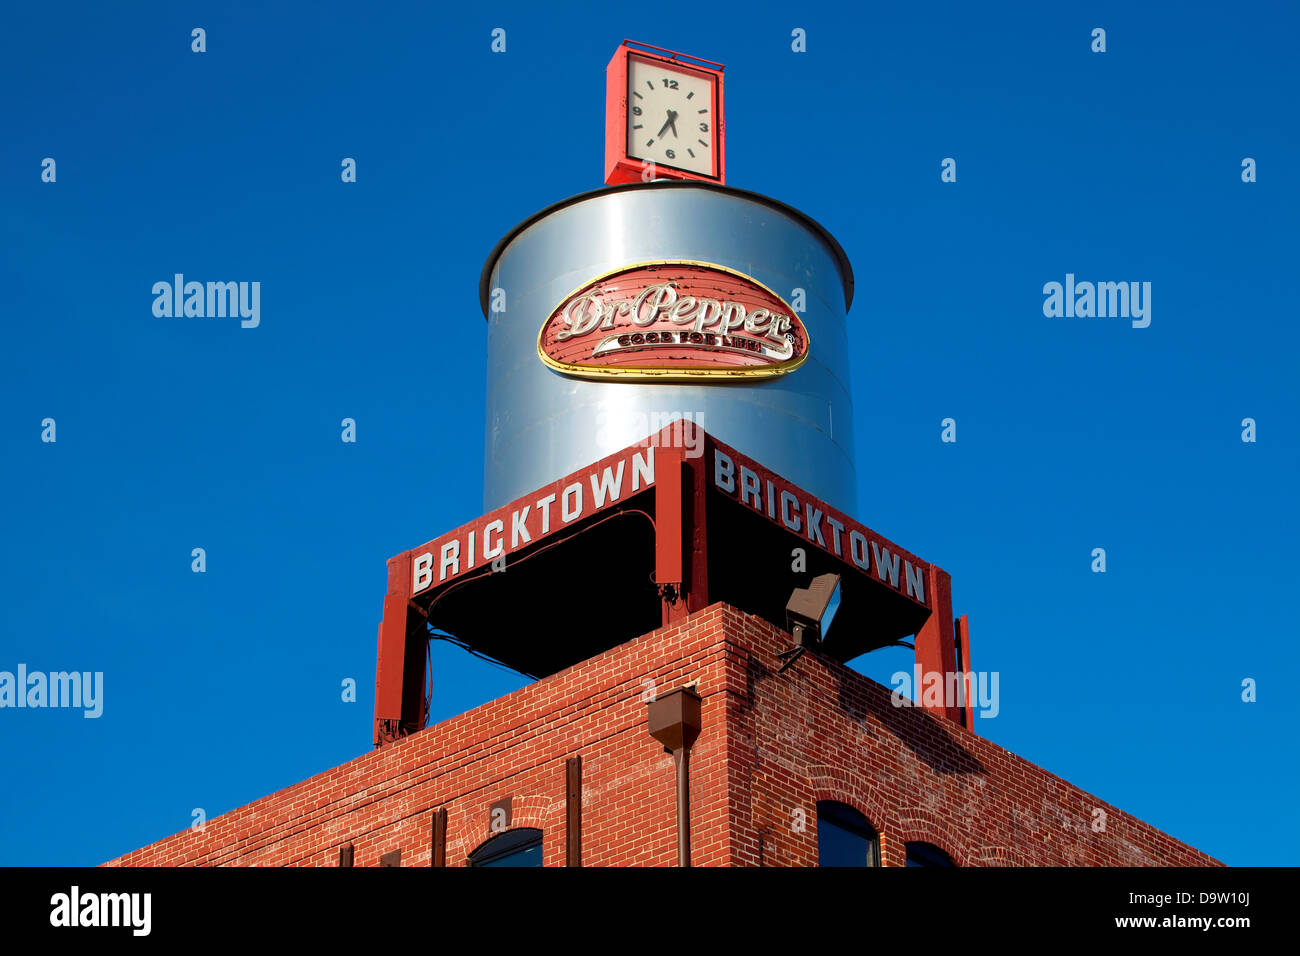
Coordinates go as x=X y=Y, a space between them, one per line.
x=522 y=847
x=927 y=854
x=844 y=837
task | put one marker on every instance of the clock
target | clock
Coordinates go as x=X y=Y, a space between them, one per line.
x=663 y=117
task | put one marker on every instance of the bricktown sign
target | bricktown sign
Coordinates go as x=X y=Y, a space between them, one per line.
x=673 y=321
x=490 y=540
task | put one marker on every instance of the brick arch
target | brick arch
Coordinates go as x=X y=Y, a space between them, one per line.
x=536 y=811
x=997 y=856
x=530 y=812
x=845 y=786
x=916 y=824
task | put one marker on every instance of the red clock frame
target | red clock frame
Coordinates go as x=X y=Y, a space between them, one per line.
x=621 y=168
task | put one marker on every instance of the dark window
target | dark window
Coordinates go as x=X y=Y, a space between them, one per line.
x=522 y=847
x=844 y=837
x=927 y=854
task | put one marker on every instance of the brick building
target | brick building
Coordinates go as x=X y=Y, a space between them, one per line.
x=771 y=749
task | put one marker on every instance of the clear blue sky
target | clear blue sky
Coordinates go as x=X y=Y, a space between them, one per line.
x=174 y=434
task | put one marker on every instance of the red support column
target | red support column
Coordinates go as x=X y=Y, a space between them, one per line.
x=968 y=681
x=391 y=662
x=696 y=531
x=680 y=532
x=936 y=650
x=669 y=519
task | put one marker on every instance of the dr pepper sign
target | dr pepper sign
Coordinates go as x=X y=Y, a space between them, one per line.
x=673 y=320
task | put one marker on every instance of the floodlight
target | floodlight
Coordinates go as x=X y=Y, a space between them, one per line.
x=811 y=610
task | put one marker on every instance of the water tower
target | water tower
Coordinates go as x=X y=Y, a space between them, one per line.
x=669 y=424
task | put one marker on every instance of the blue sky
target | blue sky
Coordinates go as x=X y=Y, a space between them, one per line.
x=1072 y=434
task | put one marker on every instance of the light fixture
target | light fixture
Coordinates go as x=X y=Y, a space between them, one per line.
x=809 y=614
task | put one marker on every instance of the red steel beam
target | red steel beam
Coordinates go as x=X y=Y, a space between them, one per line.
x=669 y=521
x=936 y=651
x=968 y=682
x=390 y=663
x=695 y=501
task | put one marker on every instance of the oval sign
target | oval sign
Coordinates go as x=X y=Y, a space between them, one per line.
x=673 y=320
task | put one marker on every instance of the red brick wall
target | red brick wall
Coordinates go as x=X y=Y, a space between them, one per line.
x=769 y=745
x=516 y=747
x=824 y=732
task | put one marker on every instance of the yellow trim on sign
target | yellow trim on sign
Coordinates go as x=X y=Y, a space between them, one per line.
x=674 y=374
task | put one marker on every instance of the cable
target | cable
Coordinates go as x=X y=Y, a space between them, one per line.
x=428 y=681
x=456 y=642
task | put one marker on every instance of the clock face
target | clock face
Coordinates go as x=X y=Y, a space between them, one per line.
x=670 y=117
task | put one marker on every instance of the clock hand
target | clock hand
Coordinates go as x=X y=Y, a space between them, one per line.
x=672 y=122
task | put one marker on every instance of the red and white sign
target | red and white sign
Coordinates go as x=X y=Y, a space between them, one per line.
x=491 y=539
x=744 y=480
x=489 y=542
x=675 y=320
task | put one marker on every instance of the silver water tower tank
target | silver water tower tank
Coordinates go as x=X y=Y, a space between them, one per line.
x=543 y=424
